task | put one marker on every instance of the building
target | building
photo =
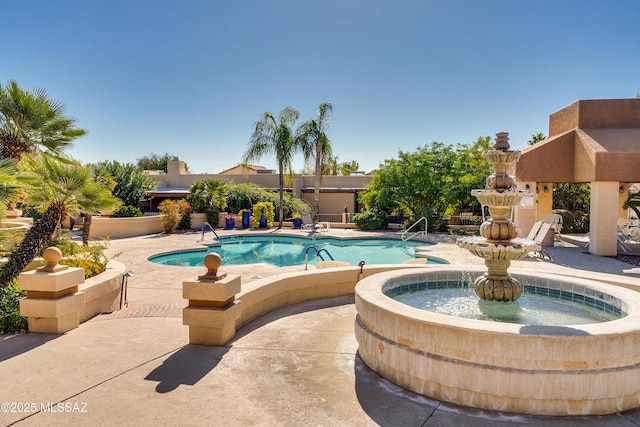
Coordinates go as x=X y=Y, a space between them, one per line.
x=337 y=193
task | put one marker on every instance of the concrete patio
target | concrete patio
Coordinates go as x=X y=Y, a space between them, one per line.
x=295 y=366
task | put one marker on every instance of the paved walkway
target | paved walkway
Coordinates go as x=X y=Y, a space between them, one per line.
x=294 y=366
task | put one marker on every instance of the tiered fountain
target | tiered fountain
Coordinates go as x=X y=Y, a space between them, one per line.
x=498 y=244
x=552 y=368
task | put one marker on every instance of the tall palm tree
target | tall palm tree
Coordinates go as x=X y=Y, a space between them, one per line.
x=536 y=137
x=312 y=138
x=30 y=121
x=272 y=136
x=64 y=188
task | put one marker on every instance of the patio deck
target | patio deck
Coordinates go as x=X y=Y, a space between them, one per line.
x=295 y=366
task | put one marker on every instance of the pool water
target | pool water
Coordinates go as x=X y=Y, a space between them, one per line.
x=285 y=251
x=529 y=309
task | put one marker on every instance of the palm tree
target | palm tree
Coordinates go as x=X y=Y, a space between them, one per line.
x=272 y=136
x=536 y=137
x=633 y=202
x=30 y=119
x=65 y=188
x=315 y=144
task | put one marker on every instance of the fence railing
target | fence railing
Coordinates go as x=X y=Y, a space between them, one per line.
x=346 y=218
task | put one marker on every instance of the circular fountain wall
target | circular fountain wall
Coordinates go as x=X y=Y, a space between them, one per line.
x=545 y=370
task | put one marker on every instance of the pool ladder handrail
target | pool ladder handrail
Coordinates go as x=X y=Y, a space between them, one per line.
x=206 y=224
x=422 y=232
x=318 y=255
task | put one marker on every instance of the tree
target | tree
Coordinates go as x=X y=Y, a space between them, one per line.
x=346 y=168
x=30 y=119
x=272 y=136
x=536 y=137
x=153 y=162
x=101 y=177
x=420 y=183
x=471 y=171
x=633 y=202
x=64 y=188
x=208 y=194
x=330 y=166
x=312 y=138
x=131 y=183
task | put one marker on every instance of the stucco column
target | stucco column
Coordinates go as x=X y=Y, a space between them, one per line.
x=604 y=218
x=212 y=312
x=544 y=202
x=524 y=213
x=53 y=302
x=623 y=189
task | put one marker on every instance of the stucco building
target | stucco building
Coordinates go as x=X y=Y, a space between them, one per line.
x=337 y=193
x=590 y=141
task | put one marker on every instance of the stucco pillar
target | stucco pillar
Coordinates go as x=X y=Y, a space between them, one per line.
x=53 y=302
x=624 y=195
x=544 y=203
x=212 y=312
x=524 y=215
x=604 y=218
x=296 y=187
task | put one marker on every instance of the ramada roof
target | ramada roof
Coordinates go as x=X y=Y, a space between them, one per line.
x=590 y=140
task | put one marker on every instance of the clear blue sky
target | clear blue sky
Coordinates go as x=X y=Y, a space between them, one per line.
x=192 y=77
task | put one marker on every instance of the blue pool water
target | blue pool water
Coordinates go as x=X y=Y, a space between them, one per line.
x=285 y=251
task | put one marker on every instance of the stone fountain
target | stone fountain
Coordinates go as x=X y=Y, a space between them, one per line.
x=498 y=244
x=587 y=368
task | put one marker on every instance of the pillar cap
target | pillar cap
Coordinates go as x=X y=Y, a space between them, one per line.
x=52 y=256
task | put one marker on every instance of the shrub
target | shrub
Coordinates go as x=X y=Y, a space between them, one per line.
x=244 y=196
x=170 y=210
x=371 y=220
x=91 y=258
x=573 y=222
x=208 y=194
x=213 y=217
x=10 y=320
x=269 y=213
x=185 y=218
x=127 y=212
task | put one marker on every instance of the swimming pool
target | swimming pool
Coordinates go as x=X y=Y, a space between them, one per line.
x=288 y=250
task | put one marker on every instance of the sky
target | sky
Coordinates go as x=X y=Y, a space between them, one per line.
x=191 y=78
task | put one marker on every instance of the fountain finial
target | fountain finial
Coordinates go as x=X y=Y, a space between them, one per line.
x=502 y=141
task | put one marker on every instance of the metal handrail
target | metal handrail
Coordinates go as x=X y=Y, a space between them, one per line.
x=206 y=224
x=318 y=255
x=404 y=233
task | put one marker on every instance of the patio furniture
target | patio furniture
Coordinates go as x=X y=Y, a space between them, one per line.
x=555 y=220
x=309 y=224
x=539 y=233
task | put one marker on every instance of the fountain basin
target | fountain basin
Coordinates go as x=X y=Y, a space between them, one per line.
x=497 y=198
x=514 y=249
x=584 y=369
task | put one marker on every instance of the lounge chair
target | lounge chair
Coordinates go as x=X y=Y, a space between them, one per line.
x=309 y=224
x=555 y=220
x=538 y=233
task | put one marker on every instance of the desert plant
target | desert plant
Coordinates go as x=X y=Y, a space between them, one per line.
x=170 y=210
x=127 y=212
